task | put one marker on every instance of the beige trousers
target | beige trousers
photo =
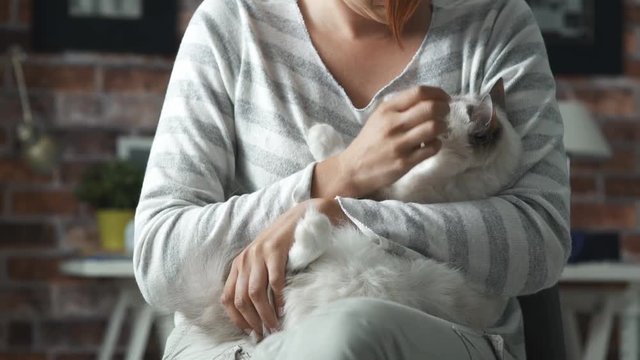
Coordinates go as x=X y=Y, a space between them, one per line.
x=350 y=329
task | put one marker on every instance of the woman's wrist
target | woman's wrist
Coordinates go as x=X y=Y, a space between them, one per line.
x=331 y=179
x=332 y=209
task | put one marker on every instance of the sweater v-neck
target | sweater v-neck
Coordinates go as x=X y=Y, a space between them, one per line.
x=332 y=79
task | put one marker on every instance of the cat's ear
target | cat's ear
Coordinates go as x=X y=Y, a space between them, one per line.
x=497 y=94
x=490 y=102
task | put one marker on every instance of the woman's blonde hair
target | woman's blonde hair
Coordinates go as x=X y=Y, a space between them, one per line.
x=398 y=13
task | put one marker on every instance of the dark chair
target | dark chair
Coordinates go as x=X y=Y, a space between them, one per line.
x=543 y=330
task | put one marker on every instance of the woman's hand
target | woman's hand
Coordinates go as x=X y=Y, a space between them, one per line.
x=401 y=133
x=263 y=263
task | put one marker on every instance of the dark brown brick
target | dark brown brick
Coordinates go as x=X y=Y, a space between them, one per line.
x=632 y=67
x=598 y=216
x=630 y=244
x=16 y=171
x=24 y=301
x=22 y=356
x=610 y=101
x=4 y=138
x=5 y=11
x=10 y=37
x=54 y=202
x=10 y=108
x=42 y=106
x=630 y=41
x=623 y=160
x=583 y=185
x=87 y=142
x=632 y=13
x=72 y=171
x=136 y=80
x=25 y=12
x=33 y=268
x=626 y=187
x=75 y=356
x=20 y=334
x=72 y=333
x=20 y=235
x=60 y=77
x=622 y=132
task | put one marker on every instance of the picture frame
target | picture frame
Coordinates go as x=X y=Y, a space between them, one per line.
x=134 y=149
x=149 y=27
x=582 y=36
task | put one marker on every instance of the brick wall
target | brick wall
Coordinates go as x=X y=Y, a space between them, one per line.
x=89 y=99
x=606 y=194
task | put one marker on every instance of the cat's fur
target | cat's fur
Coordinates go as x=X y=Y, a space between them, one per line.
x=480 y=152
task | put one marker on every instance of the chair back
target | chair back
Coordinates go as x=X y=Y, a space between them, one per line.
x=543 y=330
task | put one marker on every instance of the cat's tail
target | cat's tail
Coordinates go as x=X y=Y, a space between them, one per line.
x=312 y=238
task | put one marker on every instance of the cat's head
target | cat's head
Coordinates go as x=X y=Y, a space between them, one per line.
x=479 y=142
x=476 y=124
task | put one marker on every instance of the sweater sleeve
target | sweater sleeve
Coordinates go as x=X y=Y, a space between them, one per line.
x=516 y=242
x=189 y=210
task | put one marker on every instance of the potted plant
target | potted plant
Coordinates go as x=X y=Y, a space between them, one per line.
x=113 y=190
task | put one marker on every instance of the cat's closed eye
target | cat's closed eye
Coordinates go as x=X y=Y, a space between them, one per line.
x=485 y=138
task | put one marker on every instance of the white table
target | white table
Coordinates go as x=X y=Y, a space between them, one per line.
x=605 y=303
x=129 y=298
x=606 y=290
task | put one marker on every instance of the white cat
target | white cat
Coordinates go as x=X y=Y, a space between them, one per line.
x=479 y=155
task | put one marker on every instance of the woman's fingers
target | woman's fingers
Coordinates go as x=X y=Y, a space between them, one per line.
x=403 y=100
x=244 y=305
x=245 y=296
x=276 y=266
x=424 y=111
x=422 y=135
x=423 y=153
x=258 y=287
x=228 y=298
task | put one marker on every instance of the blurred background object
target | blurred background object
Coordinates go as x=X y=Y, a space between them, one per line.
x=39 y=148
x=582 y=136
x=137 y=26
x=582 y=36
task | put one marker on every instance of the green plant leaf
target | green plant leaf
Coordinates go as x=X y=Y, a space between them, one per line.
x=111 y=185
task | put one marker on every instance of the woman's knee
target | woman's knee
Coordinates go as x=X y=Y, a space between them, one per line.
x=373 y=329
x=361 y=314
x=353 y=329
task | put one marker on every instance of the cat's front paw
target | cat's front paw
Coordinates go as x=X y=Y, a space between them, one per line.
x=324 y=141
x=311 y=239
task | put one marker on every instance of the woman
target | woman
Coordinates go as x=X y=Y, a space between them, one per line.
x=230 y=173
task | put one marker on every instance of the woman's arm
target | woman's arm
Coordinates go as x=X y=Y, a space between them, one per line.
x=517 y=242
x=183 y=217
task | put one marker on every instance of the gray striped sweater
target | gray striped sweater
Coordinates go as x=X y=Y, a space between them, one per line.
x=229 y=154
